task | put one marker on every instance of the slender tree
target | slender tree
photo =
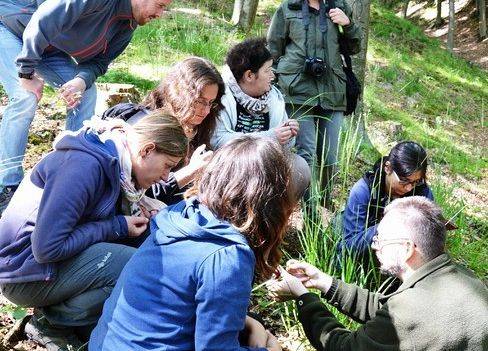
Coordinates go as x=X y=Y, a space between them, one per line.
x=450 y=33
x=405 y=8
x=482 y=18
x=244 y=13
x=361 y=17
x=438 y=20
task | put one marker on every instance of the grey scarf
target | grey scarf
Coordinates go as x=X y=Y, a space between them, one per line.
x=251 y=104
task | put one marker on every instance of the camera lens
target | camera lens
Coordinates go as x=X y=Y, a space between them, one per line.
x=318 y=69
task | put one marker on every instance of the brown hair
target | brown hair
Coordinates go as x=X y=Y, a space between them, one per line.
x=247 y=184
x=179 y=89
x=165 y=131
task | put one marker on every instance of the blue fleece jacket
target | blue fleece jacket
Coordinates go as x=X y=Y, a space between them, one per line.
x=364 y=210
x=65 y=205
x=186 y=288
x=93 y=32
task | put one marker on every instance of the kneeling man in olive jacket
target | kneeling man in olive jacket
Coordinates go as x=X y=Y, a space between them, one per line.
x=438 y=306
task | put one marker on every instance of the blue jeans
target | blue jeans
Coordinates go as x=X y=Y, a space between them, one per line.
x=318 y=139
x=56 y=68
x=83 y=283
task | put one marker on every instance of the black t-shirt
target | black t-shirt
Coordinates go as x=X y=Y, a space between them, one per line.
x=251 y=122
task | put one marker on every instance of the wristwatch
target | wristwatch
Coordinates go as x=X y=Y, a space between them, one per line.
x=26 y=75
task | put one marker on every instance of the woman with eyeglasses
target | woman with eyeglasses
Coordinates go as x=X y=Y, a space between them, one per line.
x=190 y=91
x=400 y=174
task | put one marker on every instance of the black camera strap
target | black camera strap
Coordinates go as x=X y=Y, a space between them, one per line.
x=306 y=20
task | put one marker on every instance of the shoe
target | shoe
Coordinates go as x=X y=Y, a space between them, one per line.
x=52 y=338
x=5 y=197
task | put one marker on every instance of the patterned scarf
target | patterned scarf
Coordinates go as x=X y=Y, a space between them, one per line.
x=251 y=104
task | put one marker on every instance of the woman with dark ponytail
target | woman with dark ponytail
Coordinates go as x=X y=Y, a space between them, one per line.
x=400 y=174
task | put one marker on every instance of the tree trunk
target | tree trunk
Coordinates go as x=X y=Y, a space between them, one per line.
x=405 y=8
x=450 y=33
x=361 y=18
x=482 y=16
x=244 y=13
x=438 y=20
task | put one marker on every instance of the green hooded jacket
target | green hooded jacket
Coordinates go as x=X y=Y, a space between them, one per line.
x=287 y=39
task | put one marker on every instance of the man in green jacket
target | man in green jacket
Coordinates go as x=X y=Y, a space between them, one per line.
x=439 y=305
x=304 y=41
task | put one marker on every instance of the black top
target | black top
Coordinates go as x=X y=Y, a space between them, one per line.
x=251 y=122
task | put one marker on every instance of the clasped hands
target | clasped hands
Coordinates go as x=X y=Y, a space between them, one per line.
x=295 y=280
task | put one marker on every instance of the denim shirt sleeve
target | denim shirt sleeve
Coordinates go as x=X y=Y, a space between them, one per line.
x=356 y=234
x=224 y=282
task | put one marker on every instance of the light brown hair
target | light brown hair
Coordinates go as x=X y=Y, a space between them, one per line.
x=165 y=131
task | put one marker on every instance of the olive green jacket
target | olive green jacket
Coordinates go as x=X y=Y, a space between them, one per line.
x=442 y=306
x=286 y=40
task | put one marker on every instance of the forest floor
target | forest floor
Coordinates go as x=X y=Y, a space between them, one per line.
x=412 y=91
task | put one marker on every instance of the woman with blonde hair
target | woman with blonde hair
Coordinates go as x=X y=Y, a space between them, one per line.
x=57 y=249
x=191 y=91
x=204 y=253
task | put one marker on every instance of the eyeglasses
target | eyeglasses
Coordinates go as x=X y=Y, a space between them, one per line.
x=404 y=182
x=378 y=244
x=204 y=104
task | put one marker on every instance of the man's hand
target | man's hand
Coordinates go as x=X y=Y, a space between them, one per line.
x=339 y=17
x=34 y=85
x=286 y=287
x=136 y=225
x=72 y=91
x=309 y=275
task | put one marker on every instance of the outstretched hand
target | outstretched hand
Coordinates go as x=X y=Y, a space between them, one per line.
x=309 y=275
x=200 y=159
x=72 y=91
x=286 y=287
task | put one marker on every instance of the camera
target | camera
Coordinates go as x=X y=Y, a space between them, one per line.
x=314 y=66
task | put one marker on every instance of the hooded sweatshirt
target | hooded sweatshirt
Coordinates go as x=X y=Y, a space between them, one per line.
x=186 y=288
x=65 y=205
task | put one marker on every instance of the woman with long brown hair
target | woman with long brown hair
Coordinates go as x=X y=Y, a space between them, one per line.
x=191 y=91
x=204 y=253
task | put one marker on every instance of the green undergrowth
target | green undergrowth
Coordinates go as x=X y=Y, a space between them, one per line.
x=437 y=97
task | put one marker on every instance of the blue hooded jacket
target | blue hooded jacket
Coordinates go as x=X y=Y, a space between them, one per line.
x=186 y=288
x=65 y=205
